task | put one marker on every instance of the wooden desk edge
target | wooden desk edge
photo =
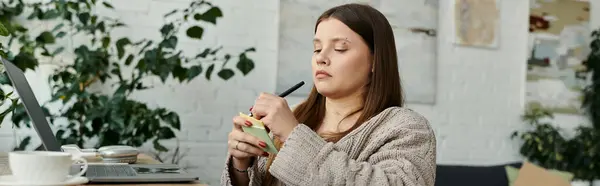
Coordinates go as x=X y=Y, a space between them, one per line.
x=153 y=184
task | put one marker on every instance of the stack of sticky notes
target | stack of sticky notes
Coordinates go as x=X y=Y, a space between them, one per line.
x=258 y=130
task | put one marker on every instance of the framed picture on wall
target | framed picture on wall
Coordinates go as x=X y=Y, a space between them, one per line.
x=476 y=23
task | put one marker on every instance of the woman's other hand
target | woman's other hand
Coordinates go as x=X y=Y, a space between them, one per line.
x=275 y=113
x=243 y=146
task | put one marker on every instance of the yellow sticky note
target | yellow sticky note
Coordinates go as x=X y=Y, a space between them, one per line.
x=258 y=130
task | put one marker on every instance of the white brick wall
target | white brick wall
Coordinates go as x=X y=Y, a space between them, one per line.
x=478 y=104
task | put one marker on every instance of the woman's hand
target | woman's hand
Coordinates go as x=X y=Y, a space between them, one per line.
x=243 y=146
x=275 y=113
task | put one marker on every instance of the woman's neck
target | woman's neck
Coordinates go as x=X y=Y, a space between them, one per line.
x=341 y=107
x=340 y=113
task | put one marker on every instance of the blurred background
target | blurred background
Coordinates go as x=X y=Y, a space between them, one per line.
x=167 y=76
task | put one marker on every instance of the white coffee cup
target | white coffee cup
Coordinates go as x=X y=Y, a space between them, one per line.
x=43 y=166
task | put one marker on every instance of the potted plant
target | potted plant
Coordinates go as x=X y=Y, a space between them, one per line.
x=543 y=144
x=589 y=137
x=582 y=155
x=119 y=65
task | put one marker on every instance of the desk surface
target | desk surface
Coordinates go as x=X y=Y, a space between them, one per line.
x=142 y=159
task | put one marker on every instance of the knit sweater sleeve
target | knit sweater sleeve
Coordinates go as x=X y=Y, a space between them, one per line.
x=403 y=155
x=255 y=172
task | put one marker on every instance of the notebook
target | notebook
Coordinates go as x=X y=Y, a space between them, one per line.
x=258 y=130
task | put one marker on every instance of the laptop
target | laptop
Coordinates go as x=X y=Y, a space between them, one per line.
x=96 y=173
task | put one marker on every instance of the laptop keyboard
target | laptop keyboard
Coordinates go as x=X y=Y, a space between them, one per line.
x=110 y=171
x=93 y=170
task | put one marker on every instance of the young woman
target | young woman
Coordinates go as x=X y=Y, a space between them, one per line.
x=352 y=128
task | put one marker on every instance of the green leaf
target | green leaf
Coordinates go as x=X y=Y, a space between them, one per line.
x=25 y=61
x=60 y=133
x=170 y=43
x=167 y=29
x=194 y=71
x=159 y=147
x=116 y=71
x=101 y=27
x=68 y=16
x=140 y=86
x=180 y=73
x=23 y=144
x=46 y=37
x=94 y=20
x=2 y=53
x=6 y=112
x=20 y=115
x=163 y=74
x=209 y=71
x=108 y=5
x=121 y=90
x=210 y=15
x=145 y=46
x=50 y=14
x=203 y=54
x=4 y=79
x=3 y=30
x=61 y=34
x=245 y=64
x=170 y=13
x=58 y=51
x=225 y=73
x=165 y=133
x=195 y=32
x=57 y=27
x=105 y=41
x=121 y=43
x=129 y=59
x=18 y=28
x=84 y=17
x=173 y=120
x=2 y=96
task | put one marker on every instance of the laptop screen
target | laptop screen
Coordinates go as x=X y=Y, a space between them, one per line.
x=32 y=106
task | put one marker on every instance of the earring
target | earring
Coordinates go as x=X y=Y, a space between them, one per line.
x=373 y=66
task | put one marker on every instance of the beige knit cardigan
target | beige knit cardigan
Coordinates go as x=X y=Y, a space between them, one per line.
x=396 y=147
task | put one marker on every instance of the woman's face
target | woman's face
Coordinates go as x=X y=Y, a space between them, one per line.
x=341 y=62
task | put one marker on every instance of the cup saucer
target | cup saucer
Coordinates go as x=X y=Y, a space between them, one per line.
x=10 y=180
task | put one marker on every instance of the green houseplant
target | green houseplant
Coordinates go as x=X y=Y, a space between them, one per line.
x=111 y=116
x=583 y=158
x=5 y=97
x=591 y=101
x=580 y=154
x=543 y=144
x=588 y=138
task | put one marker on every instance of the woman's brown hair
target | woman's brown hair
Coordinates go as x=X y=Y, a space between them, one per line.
x=384 y=89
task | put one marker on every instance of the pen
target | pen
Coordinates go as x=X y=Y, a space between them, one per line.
x=287 y=92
